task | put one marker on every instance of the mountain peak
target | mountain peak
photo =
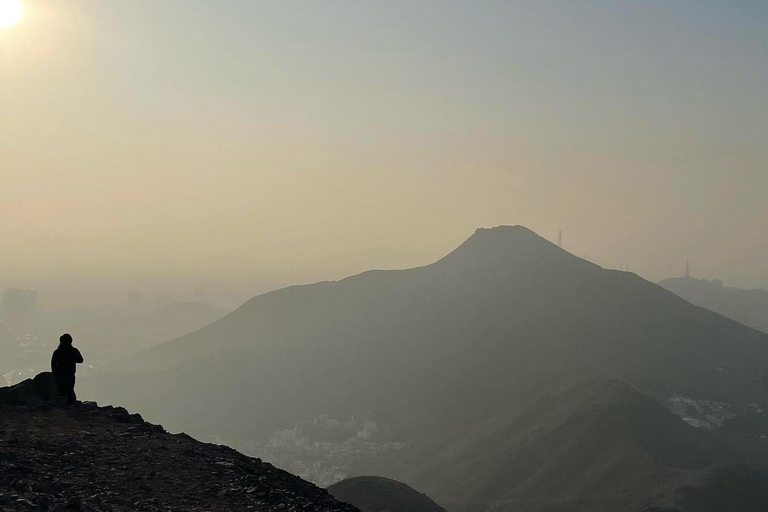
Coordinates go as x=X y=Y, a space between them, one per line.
x=508 y=244
x=505 y=232
x=503 y=240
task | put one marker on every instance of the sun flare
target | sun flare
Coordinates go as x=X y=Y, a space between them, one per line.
x=10 y=13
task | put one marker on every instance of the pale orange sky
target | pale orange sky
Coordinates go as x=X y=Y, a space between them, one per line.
x=243 y=145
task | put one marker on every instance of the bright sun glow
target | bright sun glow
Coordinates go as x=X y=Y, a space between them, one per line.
x=10 y=13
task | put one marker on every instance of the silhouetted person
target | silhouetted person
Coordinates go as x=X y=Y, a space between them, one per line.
x=64 y=365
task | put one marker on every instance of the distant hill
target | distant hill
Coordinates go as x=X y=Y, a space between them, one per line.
x=749 y=307
x=93 y=458
x=378 y=494
x=498 y=322
x=602 y=447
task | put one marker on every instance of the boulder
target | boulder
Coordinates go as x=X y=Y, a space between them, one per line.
x=42 y=388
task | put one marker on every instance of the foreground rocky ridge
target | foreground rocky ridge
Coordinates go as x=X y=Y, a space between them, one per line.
x=92 y=458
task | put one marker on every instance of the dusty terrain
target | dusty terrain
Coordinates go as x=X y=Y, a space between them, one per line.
x=103 y=459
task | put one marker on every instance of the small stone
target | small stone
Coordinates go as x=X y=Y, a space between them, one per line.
x=75 y=504
x=23 y=502
x=22 y=486
x=120 y=500
x=44 y=487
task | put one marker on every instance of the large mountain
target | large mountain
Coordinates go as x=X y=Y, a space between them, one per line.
x=599 y=446
x=498 y=322
x=749 y=307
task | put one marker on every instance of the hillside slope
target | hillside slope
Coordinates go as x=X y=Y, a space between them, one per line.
x=102 y=458
x=600 y=446
x=378 y=494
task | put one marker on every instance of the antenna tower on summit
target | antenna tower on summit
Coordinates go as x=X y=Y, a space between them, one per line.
x=560 y=239
x=687 y=267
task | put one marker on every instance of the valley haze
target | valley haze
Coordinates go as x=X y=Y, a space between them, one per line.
x=383 y=256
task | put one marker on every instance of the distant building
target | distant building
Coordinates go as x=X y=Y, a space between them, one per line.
x=288 y=434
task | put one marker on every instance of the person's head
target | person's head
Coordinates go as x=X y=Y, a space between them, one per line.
x=66 y=339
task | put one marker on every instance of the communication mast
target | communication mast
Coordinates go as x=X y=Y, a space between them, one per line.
x=560 y=239
x=687 y=267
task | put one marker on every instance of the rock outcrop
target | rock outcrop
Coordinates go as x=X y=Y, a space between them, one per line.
x=40 y=389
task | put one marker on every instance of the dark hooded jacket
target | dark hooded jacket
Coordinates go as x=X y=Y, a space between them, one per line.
x=65 y=359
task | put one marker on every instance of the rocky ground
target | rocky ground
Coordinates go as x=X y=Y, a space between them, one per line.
x=89 y=458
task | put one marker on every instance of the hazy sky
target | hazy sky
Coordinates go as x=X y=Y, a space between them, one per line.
x=242 y=145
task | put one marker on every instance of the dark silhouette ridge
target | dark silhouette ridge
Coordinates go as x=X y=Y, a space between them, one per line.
x=64 y=366
x=376 y=494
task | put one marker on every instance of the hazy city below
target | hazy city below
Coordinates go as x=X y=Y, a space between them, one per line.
x=109 y=330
